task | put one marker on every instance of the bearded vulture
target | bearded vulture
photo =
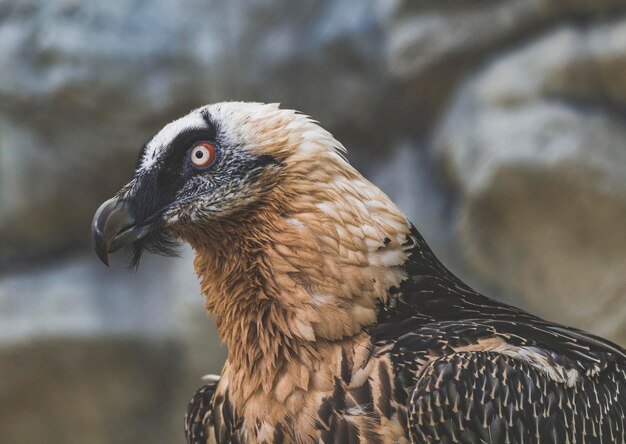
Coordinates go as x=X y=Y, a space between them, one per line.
x=341 y=324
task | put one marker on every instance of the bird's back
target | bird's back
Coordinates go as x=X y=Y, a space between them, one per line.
x=472 y=369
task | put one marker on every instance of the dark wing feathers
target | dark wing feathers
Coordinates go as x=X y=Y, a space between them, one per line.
x=199 y=418
x=211 y=415
x=473 y=397
x=483 y=396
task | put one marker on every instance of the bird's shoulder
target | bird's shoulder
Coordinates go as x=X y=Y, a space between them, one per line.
x=432 y=314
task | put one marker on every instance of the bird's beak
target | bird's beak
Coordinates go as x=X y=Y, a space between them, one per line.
x=114 y=227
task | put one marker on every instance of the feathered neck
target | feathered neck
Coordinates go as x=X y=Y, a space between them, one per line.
x=305 y=270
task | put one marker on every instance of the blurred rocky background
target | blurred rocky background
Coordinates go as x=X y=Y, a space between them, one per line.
x=499 y=126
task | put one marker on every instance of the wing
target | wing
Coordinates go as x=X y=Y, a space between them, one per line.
x=211 y=418
x=474 y=397
x=199 y=417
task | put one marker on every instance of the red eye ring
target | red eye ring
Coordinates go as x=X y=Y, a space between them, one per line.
x=202 y=154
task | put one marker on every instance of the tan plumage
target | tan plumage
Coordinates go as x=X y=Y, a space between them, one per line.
x=340 y=323
x=312 y=280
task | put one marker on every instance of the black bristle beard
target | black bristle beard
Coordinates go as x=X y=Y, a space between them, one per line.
x=156 y=242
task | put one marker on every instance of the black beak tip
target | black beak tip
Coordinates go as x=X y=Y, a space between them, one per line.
x=103 y=256
x=100 y=245
x=102 y=229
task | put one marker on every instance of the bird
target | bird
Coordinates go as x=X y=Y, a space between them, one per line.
x=341 y=324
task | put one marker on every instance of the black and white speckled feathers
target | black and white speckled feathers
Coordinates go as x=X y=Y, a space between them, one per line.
x=476 y=370
x=488 y=397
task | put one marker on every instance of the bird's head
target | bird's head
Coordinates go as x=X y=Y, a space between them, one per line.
x=220 y=165
x=288 y=236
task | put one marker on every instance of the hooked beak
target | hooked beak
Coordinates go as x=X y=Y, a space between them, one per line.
x=114 y=227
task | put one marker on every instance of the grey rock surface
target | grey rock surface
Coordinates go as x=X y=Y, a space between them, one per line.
x=498 y=126
x=539 y=159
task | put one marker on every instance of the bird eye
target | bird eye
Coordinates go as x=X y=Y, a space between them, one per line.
x=202 y=154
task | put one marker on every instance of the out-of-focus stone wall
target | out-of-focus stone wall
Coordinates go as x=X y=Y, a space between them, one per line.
x=499 y=126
